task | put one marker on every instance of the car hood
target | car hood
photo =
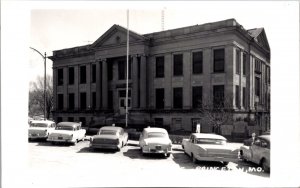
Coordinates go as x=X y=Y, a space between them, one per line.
x=164 y=141
x=61 y=132
x=105 y=137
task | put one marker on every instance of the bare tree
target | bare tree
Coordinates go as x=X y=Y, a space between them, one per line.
x=36 y=96
x=217 y=112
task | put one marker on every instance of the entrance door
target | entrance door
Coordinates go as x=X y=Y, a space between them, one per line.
x=122 y=100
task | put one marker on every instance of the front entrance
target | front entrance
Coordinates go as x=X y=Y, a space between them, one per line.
x=122 y=100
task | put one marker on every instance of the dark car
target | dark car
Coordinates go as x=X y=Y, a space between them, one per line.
x=109 y=137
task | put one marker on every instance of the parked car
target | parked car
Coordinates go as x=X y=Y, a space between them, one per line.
x=40 y=129
x=68 y=132
x=155 y=140
x=257 y=152
x=109 y=137
x=209 y=147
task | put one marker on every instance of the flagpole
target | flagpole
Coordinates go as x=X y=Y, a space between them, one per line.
x=127 y=62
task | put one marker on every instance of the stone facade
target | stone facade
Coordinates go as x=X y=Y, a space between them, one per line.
x=99 y=96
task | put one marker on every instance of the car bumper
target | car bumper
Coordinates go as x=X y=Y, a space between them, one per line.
x=105 y=146
x=61 y=140
x=150 y=150
x=217 y=158
x=37 y=136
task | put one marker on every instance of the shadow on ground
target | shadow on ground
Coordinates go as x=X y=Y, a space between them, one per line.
x=136 y=153
x=93 y=150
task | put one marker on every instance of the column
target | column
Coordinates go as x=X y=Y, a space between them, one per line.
x=65 y=87
x=98 y=85
x=104 y=84
x=168 y=81
x=76 y=87
x=88 y=86
x=186 y=80
x=135 y=82
x=143 y=83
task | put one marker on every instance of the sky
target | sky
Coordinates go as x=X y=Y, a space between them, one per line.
x=48 y=26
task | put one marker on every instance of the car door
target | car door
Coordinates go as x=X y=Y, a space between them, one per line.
x=256 y=151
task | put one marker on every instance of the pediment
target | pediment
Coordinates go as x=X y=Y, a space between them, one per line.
x=262 y=40
x=117 y=35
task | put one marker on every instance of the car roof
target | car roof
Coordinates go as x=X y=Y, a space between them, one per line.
x=266 y=137
x=155 y=129
x=111 y=128
x=68 y=124
x=208 y=135
x=42 y=121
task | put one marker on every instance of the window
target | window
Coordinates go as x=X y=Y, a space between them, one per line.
x=160 y=98
x=219 y=62
x=244 y=63
x=71 y=101
x=60 y=101
x=94 y=100
x=160 y=69
x=159 y=122
x=257 y=66
x=71 y=75
x=257 y=86
x=178 y=65
x=82 y=101
x=177 y=97
x=197 y=97
x=121 y=70
x=237 y=61
x=60 y=77
x=267 y=74
x=218 y=96
x=244 y=97
x=197 y=62
x=70 y=119
x=237 y=96
x=83 y=74
x=93 y=73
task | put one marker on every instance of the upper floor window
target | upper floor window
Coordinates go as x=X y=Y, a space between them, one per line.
x=94 y=100
x=93 y=73
x=219 y=60
x=71 y=75
x=82 y=101
x=237 y=96
x=160 y=68
x=178 y=65
x=257 y=86
x=257 y=66
x=121 y=70
x=237 y=61
x=244 y=63
x=177 y=97
x=109 y=70
x=197 y=62
x=71 y=101
x=244 y=96
x=60 y=101
x=160 y=98
x=83 y=74
x=60 y=77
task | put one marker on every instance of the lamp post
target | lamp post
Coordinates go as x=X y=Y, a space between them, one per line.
x=44 y=57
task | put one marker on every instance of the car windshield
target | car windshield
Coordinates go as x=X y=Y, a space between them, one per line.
x=210 y=141
x=67 y=128
x=38 y=125
x=107 y=132
x=156 y=134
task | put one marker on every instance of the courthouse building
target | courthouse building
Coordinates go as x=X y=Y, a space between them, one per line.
x=172 y=74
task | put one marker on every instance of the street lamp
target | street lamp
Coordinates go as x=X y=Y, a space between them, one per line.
x=44 y=57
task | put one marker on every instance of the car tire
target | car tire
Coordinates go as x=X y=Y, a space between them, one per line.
x=264 y=165
x=225 y=163
x=168 y=155
x=193 y=158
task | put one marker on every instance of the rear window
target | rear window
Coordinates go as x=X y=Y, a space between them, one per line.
x=38 y=125
x=107 y=132
x=67 y=128
x=210 y=141
x=156 y=135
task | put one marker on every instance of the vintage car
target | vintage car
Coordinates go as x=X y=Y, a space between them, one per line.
x=257 y=152
x=109 y=137
x=155 y=140
x=209 y=147
x=68 y=132
x=40 y=129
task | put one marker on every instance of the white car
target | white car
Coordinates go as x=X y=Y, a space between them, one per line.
x=68 y=132
x=209 y=147
x=155 y=140
x=40 y=129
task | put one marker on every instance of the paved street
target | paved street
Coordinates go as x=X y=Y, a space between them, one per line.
x=78 y=166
